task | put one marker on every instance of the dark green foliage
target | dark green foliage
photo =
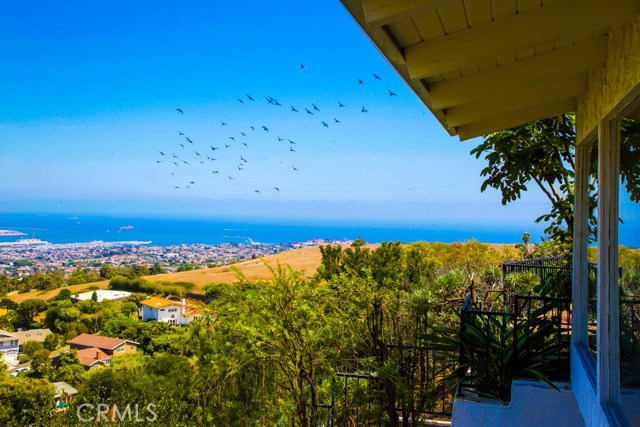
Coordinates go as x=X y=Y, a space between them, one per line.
x=541 y=153
x=25 y=402
x=138 y=284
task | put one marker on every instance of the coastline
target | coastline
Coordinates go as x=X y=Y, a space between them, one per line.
x=11 y=233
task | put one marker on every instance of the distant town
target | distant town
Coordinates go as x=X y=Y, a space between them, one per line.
x=37 y=255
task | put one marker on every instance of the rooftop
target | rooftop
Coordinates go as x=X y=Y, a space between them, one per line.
x=38 y=335
x=107 y=343
x=156 y=302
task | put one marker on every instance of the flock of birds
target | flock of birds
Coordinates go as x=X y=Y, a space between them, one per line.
x=188 y=153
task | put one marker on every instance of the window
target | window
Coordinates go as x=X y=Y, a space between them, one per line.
x=132 y=347
x=162 y=309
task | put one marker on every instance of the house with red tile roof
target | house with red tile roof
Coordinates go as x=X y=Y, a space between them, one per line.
x=109 y=346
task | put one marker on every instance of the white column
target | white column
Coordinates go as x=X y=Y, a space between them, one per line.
x=608 y=335
x=580 y=288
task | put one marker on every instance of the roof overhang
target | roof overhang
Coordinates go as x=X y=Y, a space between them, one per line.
x=485 y=65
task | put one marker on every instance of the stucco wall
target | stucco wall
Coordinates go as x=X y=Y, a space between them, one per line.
x=533 y=403
x=614 y=85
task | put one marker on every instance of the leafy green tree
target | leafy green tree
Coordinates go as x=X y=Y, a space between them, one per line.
x=29 y=308
x=542 y=153
x=26 y=402
x=30 y=347
x=8 y=304
x=51 y=341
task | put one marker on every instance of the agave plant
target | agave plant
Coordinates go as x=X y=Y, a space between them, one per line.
x=497 y=347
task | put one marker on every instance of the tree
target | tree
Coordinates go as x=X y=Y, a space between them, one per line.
x=94 y=296
x=26 y=402
x=29 y=308
x=542 y=152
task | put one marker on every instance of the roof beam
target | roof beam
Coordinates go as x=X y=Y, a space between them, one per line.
x=547 y=66
x=516 y=118
x=507 y=101
x=567 y=19
x=382 y=12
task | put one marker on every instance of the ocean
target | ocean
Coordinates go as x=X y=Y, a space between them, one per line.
x=164 y=231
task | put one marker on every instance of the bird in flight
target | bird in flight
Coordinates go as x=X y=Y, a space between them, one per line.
x=161 y=153
x=243 y=134
x=158 y=161
x=291 y=149
x=336 y=120
x=264 y=128
x=174 y=156
x=391 y=93
x=172 y=174
x=192 y=183
x=213 y=148
x=181 y=145
x=340 y=104
x=185 y=162
x=240 y=169
x=360 y=81
x=308 y=112
x=364 y=110
x=179 y=111
x=294 y=109
x=245 y=144
x=325 y=124
x=198 y=154
x=315 y=107
x=175 y=163
x=256 y=191
x=227 y=145
x=249 y=97
x=176 y=187
x=232 y=138
x=190 y=141
x=252 y=128
x=215 y=172
x=223 y=123
x=291 y=142
x=230 y=177
x=303 y=66
x=180 y=133
x=377 y=77
x=243 y=159
x=277 y=189
x=294 y=168
x=277 y=103
x=280 y=139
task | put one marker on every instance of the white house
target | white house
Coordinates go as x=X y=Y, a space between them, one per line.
x=9 y=347
x=102 y=294
x=164 y=310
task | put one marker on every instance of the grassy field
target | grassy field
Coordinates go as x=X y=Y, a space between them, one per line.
x=305 y=259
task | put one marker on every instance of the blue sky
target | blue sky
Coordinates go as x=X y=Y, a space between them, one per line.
x=89 y=94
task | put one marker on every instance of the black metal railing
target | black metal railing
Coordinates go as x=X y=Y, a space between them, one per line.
x=497 y=347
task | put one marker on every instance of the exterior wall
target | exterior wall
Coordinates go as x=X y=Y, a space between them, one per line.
x=171 y=313
x=9 y=351
x=126 y=348
x=532 y=403
x=614 y=85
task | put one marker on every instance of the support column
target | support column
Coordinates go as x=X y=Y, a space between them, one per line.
x=608 y=335
x=580 y=288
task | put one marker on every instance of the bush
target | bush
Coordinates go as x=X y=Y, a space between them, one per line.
x=140 y=285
